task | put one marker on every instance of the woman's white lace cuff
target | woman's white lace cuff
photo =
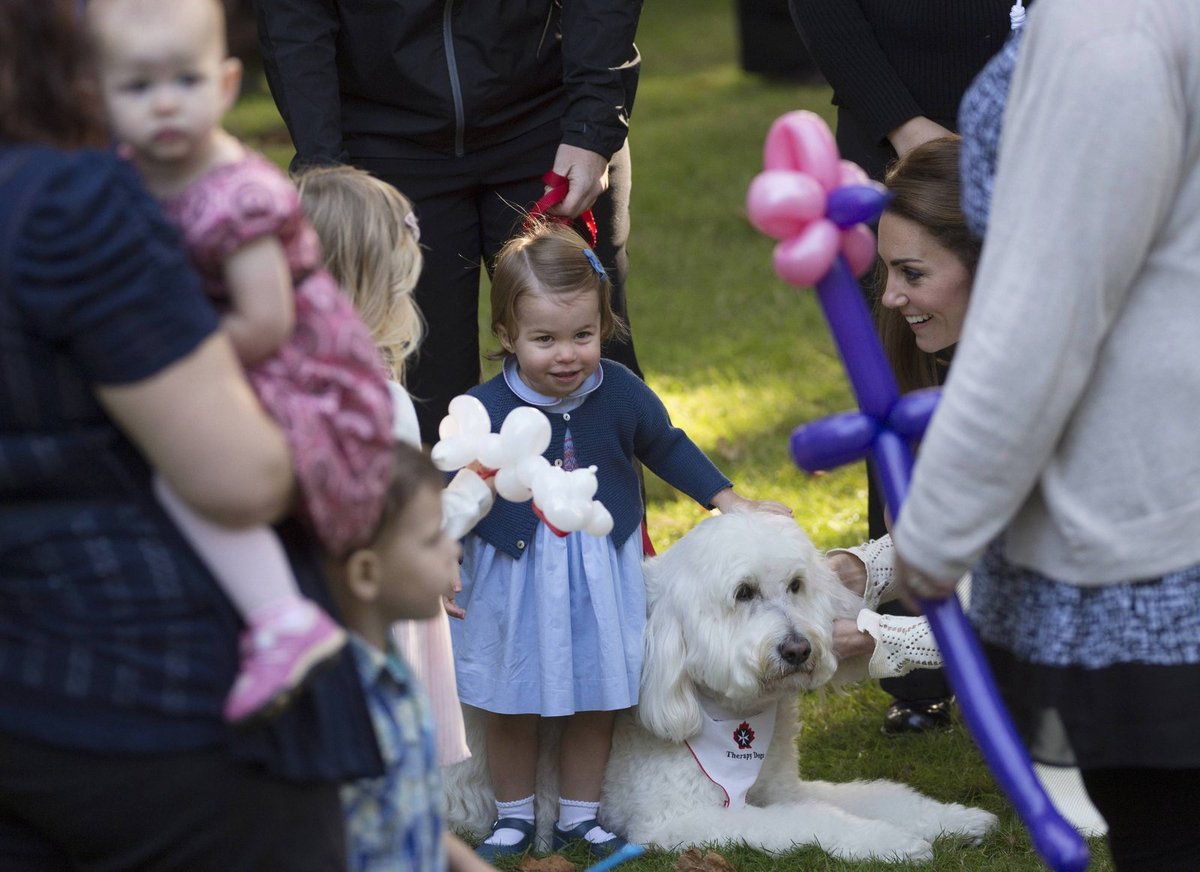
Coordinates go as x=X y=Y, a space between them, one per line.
x=902 y=644
x=878 y=556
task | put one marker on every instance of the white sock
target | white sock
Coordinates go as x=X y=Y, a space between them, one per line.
x=573 y=812
x=522 y=809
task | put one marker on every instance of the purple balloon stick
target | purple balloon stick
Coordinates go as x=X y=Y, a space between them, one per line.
x=884 y=429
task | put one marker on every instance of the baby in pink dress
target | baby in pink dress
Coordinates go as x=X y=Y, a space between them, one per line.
x=167 y=81
x=326 y=384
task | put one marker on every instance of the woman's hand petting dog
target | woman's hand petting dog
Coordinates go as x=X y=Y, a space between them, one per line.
x=850 y=570
x=849 y=641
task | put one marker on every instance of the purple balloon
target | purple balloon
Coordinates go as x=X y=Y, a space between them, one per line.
x=910 y=416
x=1056 y=840
x=855 y=204
x=855 y=337
x=833 y=441
x=885 y=428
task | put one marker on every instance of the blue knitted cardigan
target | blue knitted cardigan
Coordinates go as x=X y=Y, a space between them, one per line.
x=620 y=420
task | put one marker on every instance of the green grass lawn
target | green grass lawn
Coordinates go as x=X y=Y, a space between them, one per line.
x=741 y=359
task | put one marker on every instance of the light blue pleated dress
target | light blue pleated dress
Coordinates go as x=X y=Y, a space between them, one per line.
x=559 y=629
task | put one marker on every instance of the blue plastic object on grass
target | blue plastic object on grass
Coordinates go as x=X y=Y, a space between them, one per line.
x=616 y=858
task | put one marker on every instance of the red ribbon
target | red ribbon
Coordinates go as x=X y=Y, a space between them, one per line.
x=559 y=186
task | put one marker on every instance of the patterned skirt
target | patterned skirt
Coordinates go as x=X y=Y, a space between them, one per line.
x=1105 y=676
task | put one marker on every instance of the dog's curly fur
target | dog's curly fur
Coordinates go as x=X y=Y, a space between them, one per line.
x=730 y=605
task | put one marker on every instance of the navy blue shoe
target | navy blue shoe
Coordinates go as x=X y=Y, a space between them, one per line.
x=491 y=852
x=562 y=838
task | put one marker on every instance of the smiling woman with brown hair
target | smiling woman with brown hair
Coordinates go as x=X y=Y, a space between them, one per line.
x=924 y=246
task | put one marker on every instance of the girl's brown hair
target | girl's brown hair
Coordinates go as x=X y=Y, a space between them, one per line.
x=927 y=191
x=548 y=258
x=369 y=240
x=48 y=89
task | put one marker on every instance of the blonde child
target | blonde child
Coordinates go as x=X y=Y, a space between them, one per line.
x=167 y=81
x=396 y=821
x=370 y=239
x=554 y=625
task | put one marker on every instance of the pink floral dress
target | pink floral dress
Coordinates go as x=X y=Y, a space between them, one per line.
x=326 y=386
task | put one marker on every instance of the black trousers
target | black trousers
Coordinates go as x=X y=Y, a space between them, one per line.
x=468 y=207
x=1151 y=815
x=198 y=811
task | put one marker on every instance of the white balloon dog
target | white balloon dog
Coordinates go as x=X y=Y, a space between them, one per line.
x=562 y=499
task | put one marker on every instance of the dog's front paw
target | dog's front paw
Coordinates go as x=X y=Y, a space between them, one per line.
x=961 y=820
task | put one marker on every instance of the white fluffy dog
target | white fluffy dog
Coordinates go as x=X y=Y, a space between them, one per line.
x=740 y=619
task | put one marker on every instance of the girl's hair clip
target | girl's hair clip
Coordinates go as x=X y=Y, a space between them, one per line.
x=596 y=265
x=410 y=221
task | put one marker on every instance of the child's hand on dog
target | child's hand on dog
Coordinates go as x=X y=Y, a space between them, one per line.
x=729 y=500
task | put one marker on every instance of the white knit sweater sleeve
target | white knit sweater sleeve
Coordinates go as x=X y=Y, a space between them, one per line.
x=1088 y=165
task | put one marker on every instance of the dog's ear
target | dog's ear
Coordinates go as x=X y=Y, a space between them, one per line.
x=667 y=706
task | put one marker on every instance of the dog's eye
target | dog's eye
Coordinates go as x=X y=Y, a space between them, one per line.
x=795 y=585
x=745 y=592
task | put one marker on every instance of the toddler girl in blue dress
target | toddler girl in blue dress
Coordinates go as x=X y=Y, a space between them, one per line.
x=553 y=625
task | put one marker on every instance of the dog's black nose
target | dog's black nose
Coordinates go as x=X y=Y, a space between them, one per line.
x=794 y=650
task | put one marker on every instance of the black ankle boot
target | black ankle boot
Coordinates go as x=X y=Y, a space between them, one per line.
x=918 y=715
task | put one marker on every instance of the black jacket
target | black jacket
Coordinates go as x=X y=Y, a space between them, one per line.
x=404 y=78
x=892 y=60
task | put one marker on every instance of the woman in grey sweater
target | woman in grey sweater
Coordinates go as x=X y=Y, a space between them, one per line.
x=1074 y=483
